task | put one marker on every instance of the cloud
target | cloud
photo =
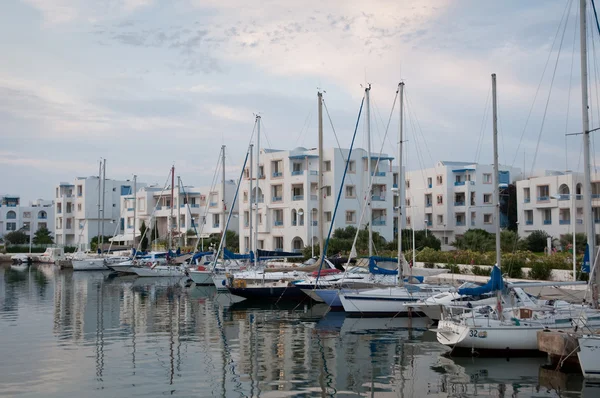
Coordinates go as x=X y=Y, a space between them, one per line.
x=56 y=12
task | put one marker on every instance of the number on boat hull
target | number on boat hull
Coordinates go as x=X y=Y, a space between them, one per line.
x=476 y=333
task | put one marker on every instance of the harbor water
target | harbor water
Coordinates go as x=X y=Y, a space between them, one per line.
x=74 y=334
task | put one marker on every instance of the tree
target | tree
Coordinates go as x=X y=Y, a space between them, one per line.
x=16 y=238
x=476 y=240
x=155 y=235
x=537 y=241
x=43 y=237
x=144 y=237
x=510 y=241
x=566 y=241
x=94 y=241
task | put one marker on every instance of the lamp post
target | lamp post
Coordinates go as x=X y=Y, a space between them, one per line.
x=572 y=197
x=425 y=222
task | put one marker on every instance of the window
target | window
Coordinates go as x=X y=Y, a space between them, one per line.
x=439 y=180
x=276 y=168
x=296 y=168
x=487 y=178
x=429 y=182
x=11 y=226
x=407 y=201
x=487 y=198
x=543 y=193
x=216 y=221
x=125 y=190
x=278 y=218
x=261 y=171
x=78 y=206
x=278 y=242
x=42 y=225
x=26 y=214
x=327 y=165
x=11 y=215
x=277 y=193
x=260 y=218
x=407 y=220
x=245 y=196
x=350 y=191
x=445 y=240
x=328 y=190
x=261 y=244
x=473 y=195
x=526 y=195
x=473 y=214
x=350 y=217
x=487 y=218
x=440 y=219
x=246 y=173
x=407 y=184
x=246 y=242
x=440 y=199
x=352 y=167
x=26 y=225
x=328 y=216
x=458 y=178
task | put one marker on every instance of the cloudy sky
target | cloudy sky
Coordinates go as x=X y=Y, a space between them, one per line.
x=149 y=83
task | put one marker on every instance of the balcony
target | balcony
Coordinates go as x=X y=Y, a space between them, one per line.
x=526 y=200
x=297 y=172
x=298 y=197
x=579 y=221
x=429 y=223
x=597 y=221
x=564 y=222
x=563 y=197
x=194 y=205
x=314 y=223
x=277 y=174
x=314 y=172
x=528 y=222
x=59 y=211
x=460 y=223
x=395 y=186
x=596 y=196
x=378 y=173
x=294 y=223
x=543 y=198
x=246 y=224
x=278 y=223
x=472 y=223
x=378 y=223
x=213 y=204
x=378 y=198
x=277 y=199
x=42 y=217
x=158 y=207
x=547 y=222
x=130 y=209
x=459 y=203
x=459 y=183
x=216 y=225
x=429 y=185
x=578 y=197
x=428 y=204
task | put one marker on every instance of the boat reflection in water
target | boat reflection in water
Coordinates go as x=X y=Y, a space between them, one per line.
x=118 y=337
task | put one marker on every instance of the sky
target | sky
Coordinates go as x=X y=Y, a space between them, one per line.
x=147 y=84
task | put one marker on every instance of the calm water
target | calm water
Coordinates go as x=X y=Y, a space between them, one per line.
x=65 y=334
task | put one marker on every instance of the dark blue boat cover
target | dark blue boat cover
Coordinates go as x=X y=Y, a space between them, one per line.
x=495 y=283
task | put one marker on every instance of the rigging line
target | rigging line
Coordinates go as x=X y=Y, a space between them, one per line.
x=539 y=85
x=207 y=202
x=420 y=157
x=483 y=124
x=537 y=146
x=304 y=125
x=417 y=123
x=569 y=92
x=264 y=133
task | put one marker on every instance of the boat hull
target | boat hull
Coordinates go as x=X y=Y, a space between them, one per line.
x=589 y=360
x=269 y=293
x=203 y=278
x=159 y=271
x=89 y=264
x=385 y=306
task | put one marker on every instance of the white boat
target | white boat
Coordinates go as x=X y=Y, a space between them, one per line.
x=589 y=360
x=199 y=276
x=98 y=263
x=166 y=271
x=153 y=258
x=51 y=255
x=21 y=258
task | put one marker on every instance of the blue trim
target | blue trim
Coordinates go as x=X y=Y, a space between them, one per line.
x=383 y=298
x=302 y=156
x=462 y=170
x=378 y=157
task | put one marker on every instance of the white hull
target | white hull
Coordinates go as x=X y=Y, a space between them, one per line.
x=201 y=277
x=89 y=264
x=165 y=271
x=219 y=280
x=589 y=358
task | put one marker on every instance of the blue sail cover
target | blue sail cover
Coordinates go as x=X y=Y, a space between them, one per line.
x=495 y=283
x=277 y=254
x=201 y=254
x=229 y=255
x=585 y=266
x=374 y=269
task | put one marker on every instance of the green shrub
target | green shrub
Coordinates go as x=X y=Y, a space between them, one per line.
x=429 y=265
x=481 y=271
x=454 y=269
x=540 y=271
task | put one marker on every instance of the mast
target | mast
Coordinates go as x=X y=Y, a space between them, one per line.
x=178 y=211
x=134 y=206
x=320 y=187
x=369 y=172
x=587 y=181
x=103 y=203
x=171 y=207
x=224 y=204
x=250 y=200
x=257 y=188
x=99 y=204
x=495 y=174
x=400 y=183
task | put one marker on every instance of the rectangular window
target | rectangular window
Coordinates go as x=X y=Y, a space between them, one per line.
x=407 y=220
x=246 y=242
x=440 y=219
x=78 y=206
x=245 y=196
x=261 y=244
x=487 y=218
x=429 y=182
x=407 y=201
x=327 y=165
x=350 y=217
x=350 y=191
x=487 y=198
x=278 y=242
x=487 y=178
x=352 y=167
x=125 y=190
x=11 y=226
x=26 y=214
x=328 y=190
x=440 y=180
x=261 y=171
x=328 y=216
x=440 y=199
x=407 y=184
x=260 y=218
x=246 y=173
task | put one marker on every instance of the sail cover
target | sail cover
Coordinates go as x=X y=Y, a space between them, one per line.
x=383 y=265
x=495 y=283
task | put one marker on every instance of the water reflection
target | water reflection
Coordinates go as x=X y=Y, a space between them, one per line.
x=91 y=332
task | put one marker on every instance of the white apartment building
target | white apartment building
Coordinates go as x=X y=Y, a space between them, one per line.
x=554 y=202
x=288 y=196
x=205 y=213
x=14 y=216
x=453 y=197
x=76 y=209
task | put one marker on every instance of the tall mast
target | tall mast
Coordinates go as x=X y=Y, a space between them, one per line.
x=99 y=203
x=172 y=204
x=400 y=181
x=320 y=188
x=258 y=176
x=134 y=206
x=103 y=203
x=369 y=173
x=495 y=179
x=587 y=181
x=224 y=204
x=250 y=241
x=178 y=211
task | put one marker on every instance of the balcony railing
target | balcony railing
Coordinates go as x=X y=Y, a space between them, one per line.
x=528 y=222
x=472 y=223
x=278 y=223
x=460 y=223
x=130 y=209
x=395 y=186
x=459 y=203
x=294 y=223
x=314 y=172
x=378 y=198
x=564 y=222
x=547 y=222
x=543 y=198
x=277 y=199
x=578 y=197
x=246 y=224
x=459 y=183
x=579 y=221
x=194 y=205
x=314 y=223
x=526 y=200
x=213 y=204
x=428 y=204
x=378 y=223
x=42 y=217
x=596 y=196
x=277 y=174
x=564 y=197
x=378 y=173
x=429 y=185
x=79 y=195
x=59 y=211
x=216 y=225
x=297 y=172
x=428 y=223
x=298 y=197
x=597 y=221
